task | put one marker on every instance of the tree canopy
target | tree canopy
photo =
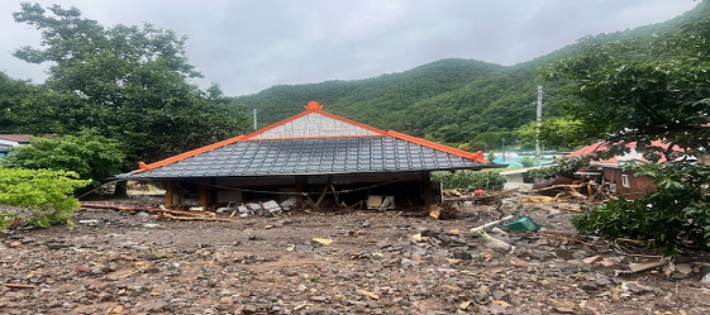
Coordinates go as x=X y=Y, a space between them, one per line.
x=639 y=90
x=634 y=90
x=130 y=83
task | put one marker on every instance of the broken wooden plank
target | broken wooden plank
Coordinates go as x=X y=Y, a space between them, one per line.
x=638 y=267
x=19 y=286
x=169 y=216
x=498 y=195
x=322 y=195
x=434 y=211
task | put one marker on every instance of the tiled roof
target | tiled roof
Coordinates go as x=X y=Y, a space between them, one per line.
x=311 y=156
x=313 y=142
x=21 y=138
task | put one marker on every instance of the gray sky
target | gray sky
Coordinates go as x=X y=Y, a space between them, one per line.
x=248 y=46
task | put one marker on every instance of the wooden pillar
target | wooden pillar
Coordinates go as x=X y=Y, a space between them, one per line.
x=168 y=194
x=213 y=193
x=426 y=189
x=203 y=194
x=301 y=182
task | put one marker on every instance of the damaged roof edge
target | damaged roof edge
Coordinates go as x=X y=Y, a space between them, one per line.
x=136 y=176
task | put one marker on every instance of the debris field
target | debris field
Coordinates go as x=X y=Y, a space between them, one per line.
x=361 y=262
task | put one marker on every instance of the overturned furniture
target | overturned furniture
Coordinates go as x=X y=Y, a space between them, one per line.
x=310 y=156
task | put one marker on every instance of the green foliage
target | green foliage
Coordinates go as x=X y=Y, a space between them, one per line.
x=674 y=217
x=527 y=161
x=45 y=192
x=491 y=156
x=645 y=91
x=640 y=90
x=564 y=167
x=555 y=132
x=6 y=219
x=128 y=82
x=12 y=94
x=466 y=179
x=88 y=154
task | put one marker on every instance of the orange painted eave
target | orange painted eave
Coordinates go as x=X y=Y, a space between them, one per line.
x=182 y=156
x=478 y=156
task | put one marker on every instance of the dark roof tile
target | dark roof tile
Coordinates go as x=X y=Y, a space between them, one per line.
x=310 y=156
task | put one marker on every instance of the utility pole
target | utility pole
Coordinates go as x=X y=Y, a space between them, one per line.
x=254 y=118
x=538 y=124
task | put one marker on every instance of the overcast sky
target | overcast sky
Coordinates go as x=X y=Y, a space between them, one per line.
x=248 y=46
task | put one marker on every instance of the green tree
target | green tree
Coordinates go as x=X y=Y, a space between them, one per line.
x=130 y=83
x=633 y=90
x=554 y=132
x=47 y=193
x=88 y=154
x=12 y=93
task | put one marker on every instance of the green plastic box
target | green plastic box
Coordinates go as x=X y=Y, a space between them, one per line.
x=522 y=224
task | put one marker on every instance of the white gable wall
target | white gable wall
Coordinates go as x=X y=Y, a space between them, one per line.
x=315 y=125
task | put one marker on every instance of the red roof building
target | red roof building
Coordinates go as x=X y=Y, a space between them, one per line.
x=612 y=174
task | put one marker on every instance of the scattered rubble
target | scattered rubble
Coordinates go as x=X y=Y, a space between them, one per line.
x=143 y=261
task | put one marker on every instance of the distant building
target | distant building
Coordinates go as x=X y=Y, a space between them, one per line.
x=9 y=141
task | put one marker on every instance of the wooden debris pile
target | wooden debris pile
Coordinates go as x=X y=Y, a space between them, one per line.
x=173 y=214
x=485 y=198
x=582 y=190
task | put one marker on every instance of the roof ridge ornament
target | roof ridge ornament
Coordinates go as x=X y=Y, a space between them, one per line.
x=313 y=106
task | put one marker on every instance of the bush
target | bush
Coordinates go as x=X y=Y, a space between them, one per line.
x=527 y=161
x=466 y=179
x=673 y=218
x=88 y=154
x=564 y=167
x=45 y=192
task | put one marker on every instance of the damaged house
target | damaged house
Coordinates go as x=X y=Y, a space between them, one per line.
x=313 y=158
x=610 y=172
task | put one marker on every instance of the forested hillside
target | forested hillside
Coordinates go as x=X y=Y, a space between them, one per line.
x=467 y=103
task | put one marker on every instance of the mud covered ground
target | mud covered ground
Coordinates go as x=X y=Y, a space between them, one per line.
x=115 y=262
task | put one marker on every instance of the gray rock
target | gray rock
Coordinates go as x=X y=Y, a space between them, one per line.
x=564 y=254
x=589 y=286
x=249 y=309
x=463 y=255
x=603 y=281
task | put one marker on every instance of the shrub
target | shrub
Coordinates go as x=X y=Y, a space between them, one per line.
x=45 y=192
x=673 y=218
x=564 y=167
x=527 y=161
x=88 y=154
x=465 y=179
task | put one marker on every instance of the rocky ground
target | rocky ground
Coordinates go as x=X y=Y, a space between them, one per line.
x=115 y=262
